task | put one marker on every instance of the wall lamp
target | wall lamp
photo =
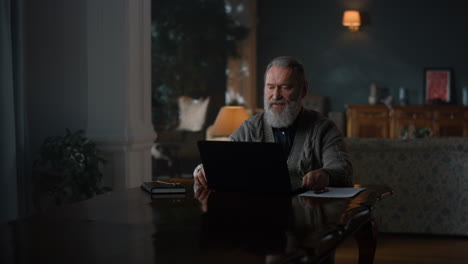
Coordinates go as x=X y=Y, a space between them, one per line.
x=352 y=20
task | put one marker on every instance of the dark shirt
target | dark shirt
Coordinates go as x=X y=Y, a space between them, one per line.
x=285 y=136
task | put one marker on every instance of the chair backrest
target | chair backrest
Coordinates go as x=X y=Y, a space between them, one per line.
x=315 y=102
x=192 y=113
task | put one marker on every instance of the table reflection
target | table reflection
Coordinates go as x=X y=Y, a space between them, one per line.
x=275 y=228
x=257 y=224
x=202 y=227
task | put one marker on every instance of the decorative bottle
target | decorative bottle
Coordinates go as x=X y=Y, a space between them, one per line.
x=373 y=94
x=465 y=96
x=402 y=96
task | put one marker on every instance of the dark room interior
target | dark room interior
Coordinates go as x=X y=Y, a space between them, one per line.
x=114 y=76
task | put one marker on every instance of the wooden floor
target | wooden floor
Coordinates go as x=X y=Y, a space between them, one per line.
x=414 y=249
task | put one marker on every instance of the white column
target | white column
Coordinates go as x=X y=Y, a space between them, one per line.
x=119 y=88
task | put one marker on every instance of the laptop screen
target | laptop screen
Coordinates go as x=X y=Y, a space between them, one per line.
x=245 y=166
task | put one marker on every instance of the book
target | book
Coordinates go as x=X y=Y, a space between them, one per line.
x=161 y=187
x=174 y=196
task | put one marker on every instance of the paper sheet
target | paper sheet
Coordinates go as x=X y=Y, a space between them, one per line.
x=335 y=192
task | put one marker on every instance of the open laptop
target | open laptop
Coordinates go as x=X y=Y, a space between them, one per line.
x=245 y=167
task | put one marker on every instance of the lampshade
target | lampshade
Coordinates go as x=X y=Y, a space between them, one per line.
x=228 y=120
x=352 y=19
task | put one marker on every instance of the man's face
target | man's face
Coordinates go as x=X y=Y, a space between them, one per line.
x=283 y=95
x=281 y=87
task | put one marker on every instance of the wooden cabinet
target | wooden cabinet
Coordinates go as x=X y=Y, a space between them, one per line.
x=403 y=116
x=379 y=121
x=450 y=122
x=367 y=121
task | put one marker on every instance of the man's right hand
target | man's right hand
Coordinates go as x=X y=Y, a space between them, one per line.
x=202 y=194
x=200 y=178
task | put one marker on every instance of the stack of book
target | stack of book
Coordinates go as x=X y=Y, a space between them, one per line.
x=163 y=188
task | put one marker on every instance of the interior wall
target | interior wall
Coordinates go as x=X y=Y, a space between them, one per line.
x=397 y=41
x=88 y=67
x=55 y=68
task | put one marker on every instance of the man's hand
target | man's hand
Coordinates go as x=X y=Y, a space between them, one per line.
x=200 y=178
x=316 y=180
x=202 y=195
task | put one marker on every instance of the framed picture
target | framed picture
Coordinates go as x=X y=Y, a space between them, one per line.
x=437 y=85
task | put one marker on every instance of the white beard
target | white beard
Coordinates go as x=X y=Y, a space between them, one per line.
x=283 y=118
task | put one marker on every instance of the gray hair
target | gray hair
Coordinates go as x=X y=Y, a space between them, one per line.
x=288 y=62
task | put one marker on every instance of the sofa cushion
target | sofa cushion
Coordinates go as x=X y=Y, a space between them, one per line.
x=192 y=113
x=429 y=178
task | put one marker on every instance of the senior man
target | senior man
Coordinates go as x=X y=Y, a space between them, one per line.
x=316 y=152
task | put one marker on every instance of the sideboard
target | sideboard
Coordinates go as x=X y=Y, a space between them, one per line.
x=380 y=121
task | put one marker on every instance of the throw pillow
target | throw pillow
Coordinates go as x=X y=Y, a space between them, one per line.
x=192 y=113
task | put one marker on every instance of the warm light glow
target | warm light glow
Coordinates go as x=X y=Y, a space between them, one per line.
x=352 y=19
x=228 y=120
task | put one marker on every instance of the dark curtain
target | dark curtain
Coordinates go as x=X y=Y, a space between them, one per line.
x=15 y=166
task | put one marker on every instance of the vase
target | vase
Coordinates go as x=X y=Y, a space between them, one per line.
x=373 y=94
x=372 y=100
x=465 y=96
x=402 y=96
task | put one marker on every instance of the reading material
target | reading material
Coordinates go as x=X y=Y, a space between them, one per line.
x=161 y=187
x=334 y=192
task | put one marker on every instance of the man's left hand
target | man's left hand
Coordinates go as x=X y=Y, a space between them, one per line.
x=316 y=180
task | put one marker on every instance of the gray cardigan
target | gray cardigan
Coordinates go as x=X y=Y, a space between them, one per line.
x=318 y=144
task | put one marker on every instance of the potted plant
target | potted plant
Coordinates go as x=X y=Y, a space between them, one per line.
x=68 y=168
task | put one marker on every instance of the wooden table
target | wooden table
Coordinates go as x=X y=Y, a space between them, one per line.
x=133 y=227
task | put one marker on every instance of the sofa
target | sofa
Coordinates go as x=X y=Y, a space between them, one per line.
x=429 y=177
